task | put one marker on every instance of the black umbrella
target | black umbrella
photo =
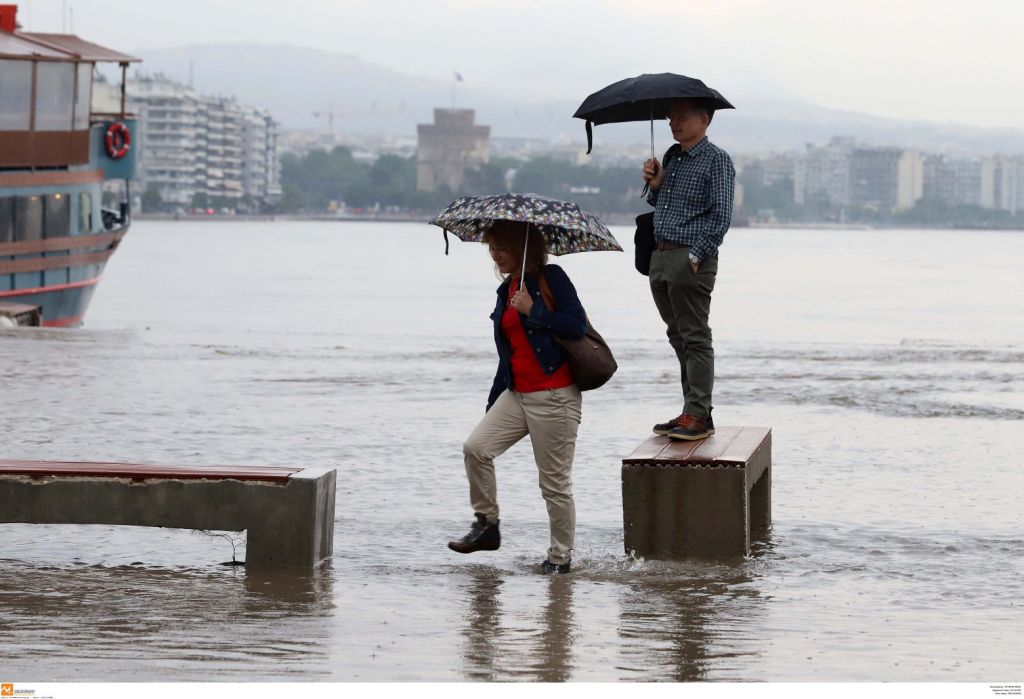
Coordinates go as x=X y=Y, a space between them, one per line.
x=644 y=97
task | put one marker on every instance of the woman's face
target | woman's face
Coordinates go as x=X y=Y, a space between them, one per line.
x=503 y=257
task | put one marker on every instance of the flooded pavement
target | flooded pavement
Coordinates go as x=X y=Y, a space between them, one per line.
x=893 y=387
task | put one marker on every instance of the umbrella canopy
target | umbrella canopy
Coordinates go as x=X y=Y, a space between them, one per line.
x=644 y=97
x=566 y=227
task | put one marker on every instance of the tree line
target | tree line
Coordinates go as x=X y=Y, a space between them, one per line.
x=321 y=180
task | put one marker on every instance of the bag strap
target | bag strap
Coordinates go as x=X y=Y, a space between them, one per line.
x=545 y=291
x=549 y=298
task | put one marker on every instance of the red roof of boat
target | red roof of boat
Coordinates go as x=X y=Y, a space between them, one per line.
x=58 y=46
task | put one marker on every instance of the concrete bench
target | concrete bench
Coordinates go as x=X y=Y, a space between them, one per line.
x=288 y=513
x=700 y=499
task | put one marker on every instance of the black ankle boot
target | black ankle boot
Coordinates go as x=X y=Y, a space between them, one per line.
x=549 y=568
x=482 y=537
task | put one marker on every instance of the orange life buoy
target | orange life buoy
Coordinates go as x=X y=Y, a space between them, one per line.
x=118 y=140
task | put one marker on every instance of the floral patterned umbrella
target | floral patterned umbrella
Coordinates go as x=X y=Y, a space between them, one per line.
x=566 y=227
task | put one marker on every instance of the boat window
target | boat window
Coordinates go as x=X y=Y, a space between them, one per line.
x=6 y=219
x=28 y=218
x=15 y=95
x=54 y=94
x=84 y=96
x=56 y=215
x=84 y=213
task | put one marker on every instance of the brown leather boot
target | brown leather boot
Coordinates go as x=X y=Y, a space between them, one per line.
x=663 y=428
x=690 y=428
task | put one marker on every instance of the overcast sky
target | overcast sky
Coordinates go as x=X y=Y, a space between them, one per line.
x=939 y=60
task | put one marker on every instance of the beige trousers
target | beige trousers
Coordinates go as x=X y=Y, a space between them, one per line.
x=551 y=418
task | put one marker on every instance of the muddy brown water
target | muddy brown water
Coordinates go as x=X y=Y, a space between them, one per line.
x=890 y=365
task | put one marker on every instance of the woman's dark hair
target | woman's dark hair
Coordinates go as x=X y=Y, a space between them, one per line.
x=511 y=235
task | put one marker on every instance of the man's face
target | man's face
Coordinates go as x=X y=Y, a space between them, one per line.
x=688 y=126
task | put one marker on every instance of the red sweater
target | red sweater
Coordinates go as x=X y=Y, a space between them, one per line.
x=527 y=374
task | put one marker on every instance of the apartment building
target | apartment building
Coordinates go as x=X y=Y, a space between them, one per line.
x=822 y=174
x=843 y=173
x=203 y=150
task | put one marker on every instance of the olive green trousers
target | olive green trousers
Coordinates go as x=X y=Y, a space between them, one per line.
x=683 y=298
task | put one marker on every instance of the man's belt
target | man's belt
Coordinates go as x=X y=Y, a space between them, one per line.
x=666 y=245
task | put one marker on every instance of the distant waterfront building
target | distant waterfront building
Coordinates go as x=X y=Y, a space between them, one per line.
x=967 y=182
x=198 y=149
x=1008 y=184
x=261 y=166
x=165 y=139
x=843 y=174
x=909 y=180
x=448 y=147
x=822 y=174
x=874 y=177
x=973 y=182
x=939 y=179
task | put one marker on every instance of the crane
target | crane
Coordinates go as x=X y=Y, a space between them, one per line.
x=330 y=114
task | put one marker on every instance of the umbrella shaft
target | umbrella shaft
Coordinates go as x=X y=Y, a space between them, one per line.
x=652 y=131
x=526 y=242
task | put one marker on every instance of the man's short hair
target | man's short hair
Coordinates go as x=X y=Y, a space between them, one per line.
x=703 y=106
x=700 y=105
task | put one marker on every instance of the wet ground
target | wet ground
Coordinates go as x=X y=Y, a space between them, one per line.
x=893 y=387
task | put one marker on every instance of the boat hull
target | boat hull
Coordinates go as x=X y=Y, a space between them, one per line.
x=62 y=305
x=57 y=275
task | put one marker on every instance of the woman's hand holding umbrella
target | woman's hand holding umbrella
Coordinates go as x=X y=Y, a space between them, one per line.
x=522 y=302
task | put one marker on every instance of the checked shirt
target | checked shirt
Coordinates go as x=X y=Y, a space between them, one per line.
x=694 y=204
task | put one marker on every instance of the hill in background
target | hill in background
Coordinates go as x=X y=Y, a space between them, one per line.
x=294 y=82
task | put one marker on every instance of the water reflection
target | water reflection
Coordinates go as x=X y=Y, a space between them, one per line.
x=289 y=590
x=483 y=631
x=677 y=628
x=521 y=642
x=160 y=623
x=554 y=650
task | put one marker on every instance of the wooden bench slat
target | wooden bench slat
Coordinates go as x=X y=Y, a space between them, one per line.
x=677 y=451
x=729 y=446
x=745 y=444
x=709 y=451
x=647 y=450
x=137 y=471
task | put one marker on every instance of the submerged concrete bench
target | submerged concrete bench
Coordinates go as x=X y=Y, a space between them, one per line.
x=288 y=513
x=699 y=499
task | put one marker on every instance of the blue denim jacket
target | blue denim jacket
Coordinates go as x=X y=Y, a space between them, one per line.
x=568 y=320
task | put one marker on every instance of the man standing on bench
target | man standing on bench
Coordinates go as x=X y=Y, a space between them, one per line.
x=692 y=193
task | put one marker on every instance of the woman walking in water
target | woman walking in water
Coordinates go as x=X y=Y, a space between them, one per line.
x=533 y=392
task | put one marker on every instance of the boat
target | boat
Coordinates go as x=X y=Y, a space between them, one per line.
x=59 y=159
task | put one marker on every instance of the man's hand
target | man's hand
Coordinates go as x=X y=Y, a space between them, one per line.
x=653 y=174
x=522 y=302
x=694 y=263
